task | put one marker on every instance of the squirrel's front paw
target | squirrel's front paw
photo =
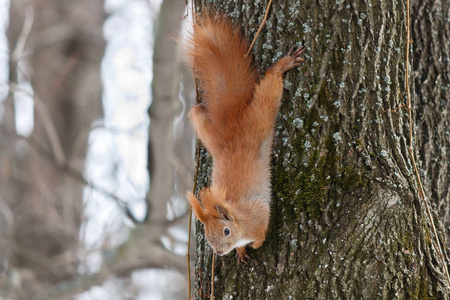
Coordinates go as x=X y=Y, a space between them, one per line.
x=291 y=60
x=242 y=256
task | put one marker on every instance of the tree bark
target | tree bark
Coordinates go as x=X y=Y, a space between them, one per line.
x=432 y=87
x=346 y=218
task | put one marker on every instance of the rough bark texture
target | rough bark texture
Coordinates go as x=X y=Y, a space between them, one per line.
x=431 y=68
x=347 y=222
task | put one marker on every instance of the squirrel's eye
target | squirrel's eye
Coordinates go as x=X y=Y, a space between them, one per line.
x=226 y=231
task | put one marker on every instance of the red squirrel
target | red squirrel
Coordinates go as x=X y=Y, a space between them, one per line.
x=235 y=122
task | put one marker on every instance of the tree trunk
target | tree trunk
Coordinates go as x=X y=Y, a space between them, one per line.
x=163 y=110
x=432 y=87
x=63 y=50
x=346 y=221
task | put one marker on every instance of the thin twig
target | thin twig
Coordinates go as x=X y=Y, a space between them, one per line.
x=49 y=127
x=394 y=110
x=119 y=265
x=67 y=68
x=190 y=220
x=26 y=29
x=32 y=255
x=72 y=172
x=411 y=152
x=8 y=216
x=212 y=297
x=180 y=168
x=260 y=28
x=188 y=255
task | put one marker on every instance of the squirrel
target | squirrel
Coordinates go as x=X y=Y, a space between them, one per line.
x=235 y=122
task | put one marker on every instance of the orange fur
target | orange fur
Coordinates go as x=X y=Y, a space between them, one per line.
x=235 y=122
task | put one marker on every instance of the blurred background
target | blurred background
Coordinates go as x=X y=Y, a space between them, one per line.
x=95 y=151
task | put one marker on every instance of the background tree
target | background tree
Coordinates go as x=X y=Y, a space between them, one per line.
x=48 y=180
x=347 y=220
x=51 y=49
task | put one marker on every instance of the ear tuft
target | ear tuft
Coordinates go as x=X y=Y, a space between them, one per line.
x=223 y=212
x=196 y=207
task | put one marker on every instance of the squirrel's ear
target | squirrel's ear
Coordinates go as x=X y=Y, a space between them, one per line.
x=196 y=207
x=223 y=212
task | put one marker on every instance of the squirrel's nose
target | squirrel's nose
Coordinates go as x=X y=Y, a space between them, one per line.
x=219 y=252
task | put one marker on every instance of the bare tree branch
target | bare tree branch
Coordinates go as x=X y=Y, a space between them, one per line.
x=26 y=29
x=76 y=174
x=141 y=251
x=49 y=126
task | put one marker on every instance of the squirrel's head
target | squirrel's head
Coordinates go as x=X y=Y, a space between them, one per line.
x=222 y=229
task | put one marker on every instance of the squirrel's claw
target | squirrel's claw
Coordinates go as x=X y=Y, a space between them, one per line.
x=291 y=60
x=299 y=50
x=290 y=50
x=242 y=256
x=296 y=55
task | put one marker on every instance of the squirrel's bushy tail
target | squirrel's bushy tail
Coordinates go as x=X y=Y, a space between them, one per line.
x=216 y=50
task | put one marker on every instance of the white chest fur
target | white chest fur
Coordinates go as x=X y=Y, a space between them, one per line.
x=242 y=243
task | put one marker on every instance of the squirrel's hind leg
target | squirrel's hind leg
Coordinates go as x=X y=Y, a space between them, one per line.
x=203 y=127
